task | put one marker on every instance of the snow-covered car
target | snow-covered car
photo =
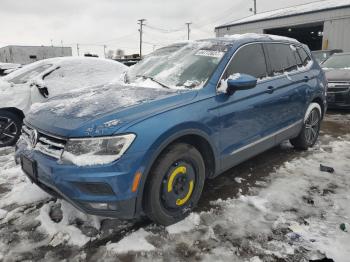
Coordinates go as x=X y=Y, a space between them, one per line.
x=37 y=82
x=7 y=68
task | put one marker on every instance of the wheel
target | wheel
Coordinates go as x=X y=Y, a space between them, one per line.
x=10 y=128
x=310 y=130
x=175 y=184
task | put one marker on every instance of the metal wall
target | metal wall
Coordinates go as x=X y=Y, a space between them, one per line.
x=29 y=54
x=336 y=33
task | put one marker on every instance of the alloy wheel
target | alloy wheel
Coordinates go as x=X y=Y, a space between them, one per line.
x=8 y=130
x=312 y=127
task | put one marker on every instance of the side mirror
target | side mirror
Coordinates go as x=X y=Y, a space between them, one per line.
x=41 y=88
x=240 y=82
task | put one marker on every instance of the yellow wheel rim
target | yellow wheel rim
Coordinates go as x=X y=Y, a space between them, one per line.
x=180 y=202
x=180 y=170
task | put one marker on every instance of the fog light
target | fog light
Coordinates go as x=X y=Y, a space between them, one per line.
x=102 y=206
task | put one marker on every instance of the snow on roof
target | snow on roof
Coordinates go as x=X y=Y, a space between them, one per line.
x=291 y=11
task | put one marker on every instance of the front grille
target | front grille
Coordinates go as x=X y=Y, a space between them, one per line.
x=44 y=143
x=336 y=87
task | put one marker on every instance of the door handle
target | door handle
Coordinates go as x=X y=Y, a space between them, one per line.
x=306 y=79
x=270 y=89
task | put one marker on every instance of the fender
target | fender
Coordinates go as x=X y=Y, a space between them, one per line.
x=159 y=145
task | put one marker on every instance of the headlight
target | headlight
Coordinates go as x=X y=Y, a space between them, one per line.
x=96 y=151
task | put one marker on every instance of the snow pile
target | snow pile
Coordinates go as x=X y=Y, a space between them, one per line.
x=135 y=242
x=65 y=231
x=189 y=223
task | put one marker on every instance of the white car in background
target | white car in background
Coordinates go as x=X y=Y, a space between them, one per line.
x=37 y=82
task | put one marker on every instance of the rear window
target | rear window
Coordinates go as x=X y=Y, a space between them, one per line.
x=282 y=58
x=249 y=60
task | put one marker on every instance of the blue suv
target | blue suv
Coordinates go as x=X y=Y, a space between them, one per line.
x=184 y=114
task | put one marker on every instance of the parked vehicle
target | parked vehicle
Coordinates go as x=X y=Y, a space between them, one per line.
x=37 y=82
x=185 y=113
x=323 y=55
x=6 y=68
x=337 y=69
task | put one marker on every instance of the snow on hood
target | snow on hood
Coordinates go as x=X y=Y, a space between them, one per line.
x=98 y=100
x=84 y=110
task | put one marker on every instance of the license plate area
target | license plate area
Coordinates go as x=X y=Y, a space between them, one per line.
x=29 y=167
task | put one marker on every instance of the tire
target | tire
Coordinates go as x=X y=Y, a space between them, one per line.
x=169 y=196
x=10 y=128
x=311 y=128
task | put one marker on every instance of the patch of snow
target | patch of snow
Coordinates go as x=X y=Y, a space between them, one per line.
x=135 y=242
x=3 y=213
x=65 y=231
x=23 y=193
x=189 y=223
x=239 y=180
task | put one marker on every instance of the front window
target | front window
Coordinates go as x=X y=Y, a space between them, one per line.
x=185 y=65
x=338 y=62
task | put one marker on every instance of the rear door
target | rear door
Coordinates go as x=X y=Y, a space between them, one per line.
x=289 y=83
x=247 y=117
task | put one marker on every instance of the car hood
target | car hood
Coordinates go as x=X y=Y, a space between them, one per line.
x=101 y=110
x=338 y=75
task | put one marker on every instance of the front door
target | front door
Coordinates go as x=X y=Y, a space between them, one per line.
x=248 y=116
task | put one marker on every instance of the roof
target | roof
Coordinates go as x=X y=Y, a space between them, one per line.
x=248 y=37
x=313 y=7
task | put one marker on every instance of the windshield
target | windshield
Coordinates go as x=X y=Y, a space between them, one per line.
x=338 y=62
x=321 y=56
x=24 y=77
x=184 y=65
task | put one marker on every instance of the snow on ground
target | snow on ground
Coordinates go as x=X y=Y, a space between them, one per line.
x=294 y=214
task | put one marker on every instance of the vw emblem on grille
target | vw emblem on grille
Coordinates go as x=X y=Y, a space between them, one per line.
x=33 y=137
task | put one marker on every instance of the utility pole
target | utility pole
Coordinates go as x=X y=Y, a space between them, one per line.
x=254 y=8
x=78 y=49
x=188 y=30
x=104 y=50
x=141 y=23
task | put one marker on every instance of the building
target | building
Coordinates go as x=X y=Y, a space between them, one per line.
x=320 y=25
x=28 y=54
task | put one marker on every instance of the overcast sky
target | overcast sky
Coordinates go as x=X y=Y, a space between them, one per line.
x=94 y=23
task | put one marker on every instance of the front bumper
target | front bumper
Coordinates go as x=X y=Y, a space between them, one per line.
x=106 y=186
x=339 y=99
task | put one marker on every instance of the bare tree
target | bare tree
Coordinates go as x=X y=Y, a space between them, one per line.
x=119 y=53
x=110 y=54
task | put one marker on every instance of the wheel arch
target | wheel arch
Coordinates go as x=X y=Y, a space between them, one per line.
x=319 y=101
x=13 y=110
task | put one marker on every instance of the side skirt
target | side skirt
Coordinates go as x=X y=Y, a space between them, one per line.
x=244 y=153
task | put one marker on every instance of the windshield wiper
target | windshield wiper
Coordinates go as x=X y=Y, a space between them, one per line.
x=156 y=81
